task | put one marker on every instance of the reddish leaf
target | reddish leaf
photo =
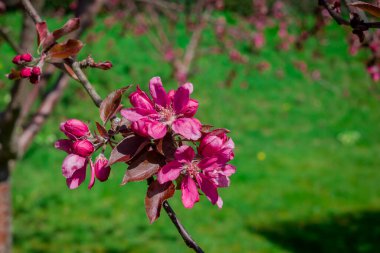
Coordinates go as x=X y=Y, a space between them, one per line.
x=42 y=32
x=14 y=75
x=127 y=149
x=70 y=26
x=167 y=147
x=111 y=104
x=66 y=49
x=367 y=7
x=155 y=196
x=145 y=166
x=102 y=131
x=206 y=128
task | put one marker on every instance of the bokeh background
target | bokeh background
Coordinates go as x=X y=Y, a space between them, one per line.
x=307 y=147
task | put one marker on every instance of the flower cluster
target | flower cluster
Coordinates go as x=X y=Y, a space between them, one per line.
x=29 y=68
x=208 y=170
x=79 y=149
x=162 y=142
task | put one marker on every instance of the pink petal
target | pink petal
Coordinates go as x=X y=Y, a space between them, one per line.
x=210 y=145
x=71 y=164
x=131 y=114
x=228 y=170
x=65 y=145
x=77 y=178
x=209 y=164
x=188 y=128
x=158 y=92
x=188 y=86
x=190 y=109
x=219 y=203
x=157 y=130
x=221 y=180
x=169 y=172
x=141 y=127
x=180 y=99
x=208 y=188
x=190 y=193
x=184 y=154
x=92 y=180
x=141 y=100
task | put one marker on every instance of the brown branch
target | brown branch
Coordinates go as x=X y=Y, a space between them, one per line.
x=85 y=83
x=43 y=112
x=5 y=34
x=31 y=11
x=181 y=230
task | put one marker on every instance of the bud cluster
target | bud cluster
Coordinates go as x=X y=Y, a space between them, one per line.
x=29 y=69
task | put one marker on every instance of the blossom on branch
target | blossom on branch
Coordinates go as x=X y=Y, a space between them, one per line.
x=165 y=112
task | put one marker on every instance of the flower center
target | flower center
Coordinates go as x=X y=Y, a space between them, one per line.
x=166 y=114
x=191 y=169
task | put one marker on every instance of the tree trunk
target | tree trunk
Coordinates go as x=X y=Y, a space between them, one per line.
x=5 y=211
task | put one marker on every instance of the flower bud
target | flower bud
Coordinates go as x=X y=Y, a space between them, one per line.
x=17 y=59
x=34 y=79
x=26 y=72
x=27 y=57
x=36 y=71
x=74 y=128
x=102 y=171
x=83 y=148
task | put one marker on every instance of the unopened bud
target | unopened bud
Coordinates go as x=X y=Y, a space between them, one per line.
x=36 y=71
x=102 y=171
x=17 y=59
x=27 y=57
x=26 y=72
x=83 y=148
x=74 y=128
x=34 y=79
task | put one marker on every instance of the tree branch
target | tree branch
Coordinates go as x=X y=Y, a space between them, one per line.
x=5 y=34
x=181 y=230
x=85 y=83
x=43 y=112
x=31 y=11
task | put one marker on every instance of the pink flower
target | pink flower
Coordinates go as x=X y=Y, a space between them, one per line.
x=74 y=170
x=217 y=144
x=168 y=111
x=75 y=129
x=206 y=174
x=83 y=148
x=102 y=171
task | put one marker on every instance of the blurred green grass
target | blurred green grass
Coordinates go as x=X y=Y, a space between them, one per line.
x=297 y=178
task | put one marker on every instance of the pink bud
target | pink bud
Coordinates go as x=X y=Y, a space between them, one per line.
x=26 y=72
x=103 y=65
x=27 y=57
x=36 y=71
x=17 y=59
x=34 y=79
x=74 y=128
x=102 y=171
x=83 y=148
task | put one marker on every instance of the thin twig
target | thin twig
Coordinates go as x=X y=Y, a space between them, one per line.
x=181 y=230
x=86 y=84
x=31 y=11
x=5 y=34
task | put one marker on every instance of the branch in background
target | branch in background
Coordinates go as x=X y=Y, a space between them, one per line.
x=5 y=34
x=31 y=11
x=43 y=112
